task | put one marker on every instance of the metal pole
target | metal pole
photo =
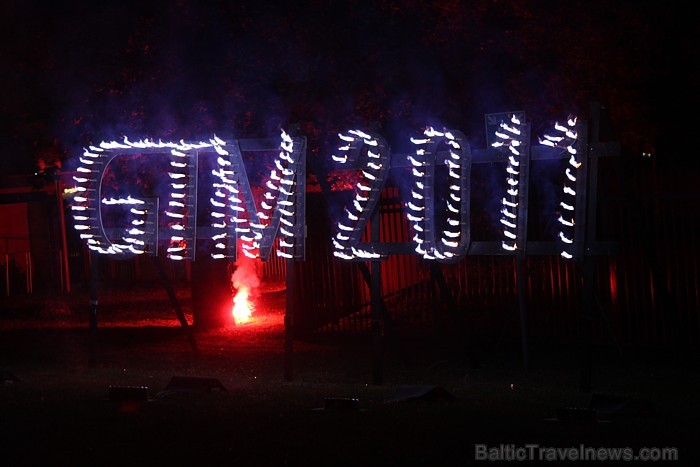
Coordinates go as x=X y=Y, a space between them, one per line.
x=520 y=280
x=94 y=287
x=65 y=269
x=176 y=306
x=7 y=274
x=376 y=304
x=30 y=279
x=587 y=324
x=292 y=295
x=291 y=302
x=465 y=347
x=588 y=195
x=375 y=291
x=523 y=212
x=60 y=268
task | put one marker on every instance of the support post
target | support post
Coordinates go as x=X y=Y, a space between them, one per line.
x=522 y=308
x=375 y=291
x=7 y=274
x=176 y=306
x=587 y=325
x=589 y=195
x=94 y=289
x=376 y=304
x=291 y=303
x=457 y=320
x=63 y=257
x=521 y=253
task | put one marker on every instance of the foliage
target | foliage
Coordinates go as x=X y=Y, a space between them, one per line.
x=77 y=72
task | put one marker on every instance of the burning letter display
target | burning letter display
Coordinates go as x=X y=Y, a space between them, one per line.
x=441 y=224
x=234 y=212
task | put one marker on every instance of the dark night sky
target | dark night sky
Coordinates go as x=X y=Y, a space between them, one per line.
x=74 y=73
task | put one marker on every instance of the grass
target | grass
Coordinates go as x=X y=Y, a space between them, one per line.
x=59 y=412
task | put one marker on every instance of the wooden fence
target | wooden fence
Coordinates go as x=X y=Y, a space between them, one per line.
x=646 y=294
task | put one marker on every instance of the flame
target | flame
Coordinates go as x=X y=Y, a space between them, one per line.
x=245 y=280
x=242 y=307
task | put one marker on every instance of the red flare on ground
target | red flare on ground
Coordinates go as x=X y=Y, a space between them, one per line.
x=245 y=280
x=242 y=308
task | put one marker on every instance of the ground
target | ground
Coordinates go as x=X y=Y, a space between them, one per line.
x=59 y=408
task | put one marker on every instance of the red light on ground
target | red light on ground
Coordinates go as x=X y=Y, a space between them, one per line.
x=245 y=279
x=242 y=307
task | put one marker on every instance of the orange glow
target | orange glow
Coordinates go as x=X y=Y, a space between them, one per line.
x=245 y=280
x=242 y=307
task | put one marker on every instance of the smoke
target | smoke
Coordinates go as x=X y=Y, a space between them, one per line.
x=247 y=274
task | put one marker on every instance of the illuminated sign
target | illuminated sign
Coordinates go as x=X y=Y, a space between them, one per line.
x=372 y=153
x=565 y=139
x=280 y=217
x=448 y=242
x=512 y=139
x=282 y=207
x=438 y=210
